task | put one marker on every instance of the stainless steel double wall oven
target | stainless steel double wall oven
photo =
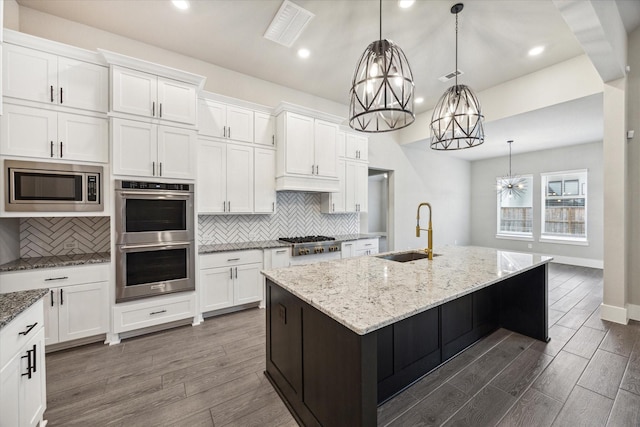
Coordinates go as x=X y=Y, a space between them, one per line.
x=155 y=250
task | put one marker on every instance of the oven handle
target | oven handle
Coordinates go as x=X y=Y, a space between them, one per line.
x=165 y=245
x=158 y=194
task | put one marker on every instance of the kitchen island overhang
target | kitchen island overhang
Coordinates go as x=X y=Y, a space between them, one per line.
x=344 y=336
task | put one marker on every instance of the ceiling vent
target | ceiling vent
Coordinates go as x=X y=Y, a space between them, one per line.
x=451 y=75
x=288 y=24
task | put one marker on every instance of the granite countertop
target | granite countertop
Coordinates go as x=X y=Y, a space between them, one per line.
x=55 y=261
x=241 y=246
x=14 y=303
x=368 y=293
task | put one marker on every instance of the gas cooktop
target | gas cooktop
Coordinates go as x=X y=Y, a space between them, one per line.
x=310 y=245
x=307 y=239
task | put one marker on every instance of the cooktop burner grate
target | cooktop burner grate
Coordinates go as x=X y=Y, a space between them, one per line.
x=307 y=239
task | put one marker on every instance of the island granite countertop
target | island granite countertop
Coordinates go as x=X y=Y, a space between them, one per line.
x=367 y=293
x=55 y=261
x=14 y=303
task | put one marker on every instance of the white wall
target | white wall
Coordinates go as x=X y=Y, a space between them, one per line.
x=378 y=203
x=484 y=208
x=633 y=169
x=423 y=176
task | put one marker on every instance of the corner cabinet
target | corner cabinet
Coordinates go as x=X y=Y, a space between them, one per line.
x=151 y=150
x=23 y=396
x=307 y=157
x=152 y=96
x=230 y=279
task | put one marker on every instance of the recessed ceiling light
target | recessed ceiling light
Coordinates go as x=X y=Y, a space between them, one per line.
x=419 y=100
x=405 y=3
x=304 y=53
x=536 y=50
x=181 y=4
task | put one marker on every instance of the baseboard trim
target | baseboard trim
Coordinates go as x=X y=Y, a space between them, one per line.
x=580 y=262
x=614 y=314
x=633 y=311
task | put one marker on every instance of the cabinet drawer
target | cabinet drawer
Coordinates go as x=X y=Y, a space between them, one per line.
x=23 y=280
x=138 y=315
x=12 y=340
x=225 y=259
x=364 y=244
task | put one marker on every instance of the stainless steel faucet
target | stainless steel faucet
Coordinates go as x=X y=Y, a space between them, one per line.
x=429 y=249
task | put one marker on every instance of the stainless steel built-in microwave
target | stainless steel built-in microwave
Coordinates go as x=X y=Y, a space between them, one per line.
x=52 y=187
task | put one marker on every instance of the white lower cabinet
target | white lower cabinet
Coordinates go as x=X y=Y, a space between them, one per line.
x=359 y=247
x=77 y=305
x=228 y=279
x=145 y=313
x=22 y=369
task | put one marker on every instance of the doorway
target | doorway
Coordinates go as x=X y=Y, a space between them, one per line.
x=379 y=210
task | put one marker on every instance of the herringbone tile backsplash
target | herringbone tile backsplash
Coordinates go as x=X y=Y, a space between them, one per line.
x=47 y=236
x=297 y=214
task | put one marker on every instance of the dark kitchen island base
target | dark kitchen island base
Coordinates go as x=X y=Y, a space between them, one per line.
x=329 y=375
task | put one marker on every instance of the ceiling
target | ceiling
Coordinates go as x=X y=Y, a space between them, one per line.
x=494 y=38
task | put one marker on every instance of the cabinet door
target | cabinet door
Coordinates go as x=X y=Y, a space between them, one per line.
x=135 y=148
x=28 y=132
x=29 y=74
x=363 y=147
x=265 y=181
x=134 y=92
x=299 y=144
x=264 y=129
x=326 y=148
x=239 y=178
x=176 y=153
x=82 y=85
x=176 y=101
x=357 y=147
x=362 y=186
x=212 y=118
x=280 y=258
x=33 y=390
x=351 y=188
x=82 y=311
x=82 y=138
x=338 y=200
x=51 y=301
x=341 y=144
x=10 y=379
x=216 y=288
x=248 y=283
x=212 y=176
x=239 y=124
x=348 y=249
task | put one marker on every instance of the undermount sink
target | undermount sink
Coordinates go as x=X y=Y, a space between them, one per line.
x=407 y=256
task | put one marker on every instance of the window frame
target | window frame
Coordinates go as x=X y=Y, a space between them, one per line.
x=583 y=191
x=514 y=235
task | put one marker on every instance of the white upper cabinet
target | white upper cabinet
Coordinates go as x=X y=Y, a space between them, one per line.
x=356 y=186
x=34 y=75
x=225 y=121
x=265 y=180
x=357 y=147
x=264 y=127
x=47 y=134
x=225 y=177
x=148 y=95
x=149 y=150
x=307 y=158
x=335 y=202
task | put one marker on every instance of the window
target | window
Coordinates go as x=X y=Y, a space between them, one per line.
x=564 y=214
x=515 y=208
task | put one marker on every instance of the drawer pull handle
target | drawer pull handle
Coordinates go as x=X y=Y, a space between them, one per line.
x=157 y=312
x=233 y=259
x=282 y=251
x=56 y=278
x=61 y=297
x=51 y=298
x=29 y=329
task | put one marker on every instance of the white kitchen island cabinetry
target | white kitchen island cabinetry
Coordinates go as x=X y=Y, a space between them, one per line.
x=152 y=96
x=33 y=74
x=47 y=134
x=149 y=150
x=22 y=369
x=307 y=153
x=229 y=279
x=225 y=177
x=77 y=303
x=220 y=120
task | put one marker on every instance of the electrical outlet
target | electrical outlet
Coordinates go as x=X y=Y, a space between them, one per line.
x=71 y=244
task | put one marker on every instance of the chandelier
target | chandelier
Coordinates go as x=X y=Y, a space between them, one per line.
x=382 y=88
x=511 y=185
x=456 y=122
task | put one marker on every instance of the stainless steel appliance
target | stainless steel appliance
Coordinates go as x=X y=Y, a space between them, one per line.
x=155 y=250
x=310 y=249
x=52 y=187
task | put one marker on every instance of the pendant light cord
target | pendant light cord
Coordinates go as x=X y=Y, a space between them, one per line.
x=380 y=20
x=509 y=142
x=456 y=70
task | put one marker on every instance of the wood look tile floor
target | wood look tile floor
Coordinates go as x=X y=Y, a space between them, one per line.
x=212 y=374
